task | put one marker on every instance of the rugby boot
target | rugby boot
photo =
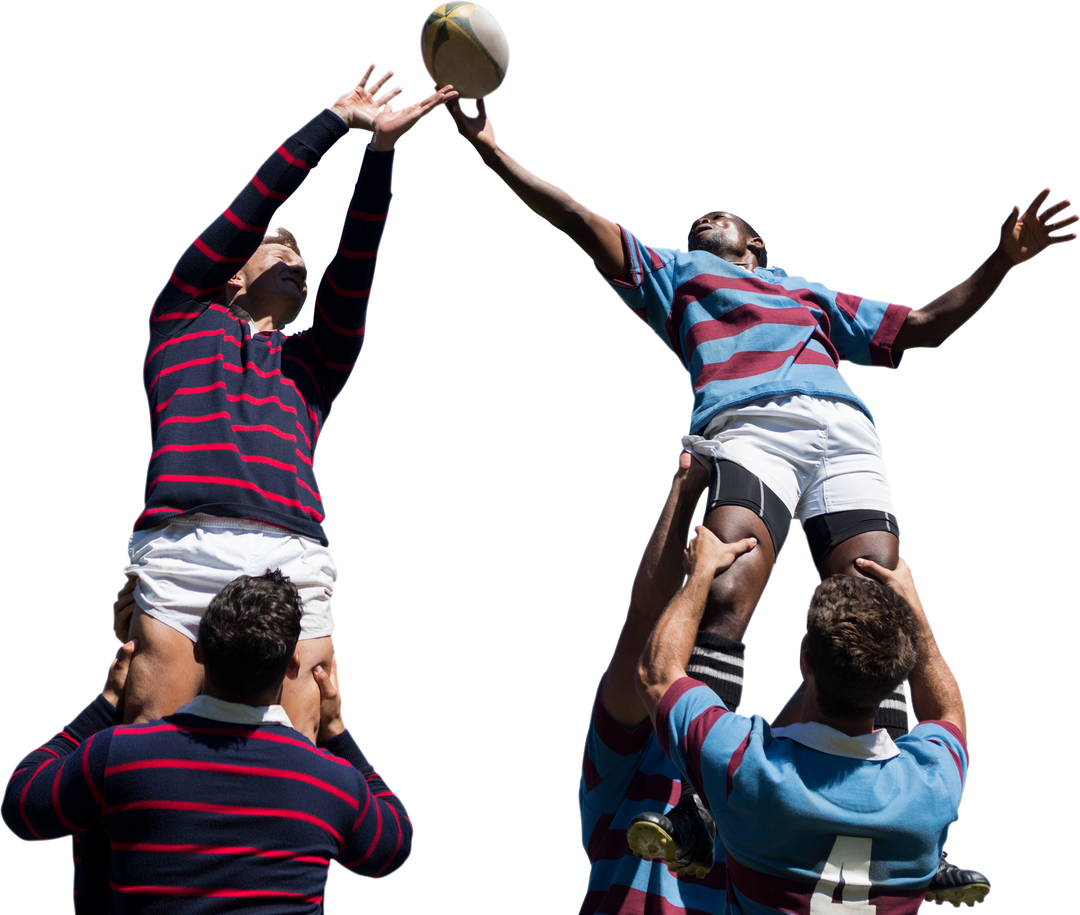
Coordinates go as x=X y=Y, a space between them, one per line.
x=684 y=838
x=955 y=885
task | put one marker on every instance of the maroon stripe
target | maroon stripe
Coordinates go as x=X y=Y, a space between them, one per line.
x=744 y=365
x=658 y=789
x=695 y=738
x=673 y=694
x=337 y=328
x=742 y=318
x=625 y=900
x=356 y=255
x=366 y=217
x=849 y=304
x=881 y=346
x=345 y=293
x=614 y=735
x=590 y=775
x=734 y=763
x=598 y=837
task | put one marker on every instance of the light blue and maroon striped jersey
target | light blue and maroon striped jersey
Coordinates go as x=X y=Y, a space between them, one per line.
x=205 y=816
x=236 y=416
x=748 y=336
x=798 y=822
x=626 y=773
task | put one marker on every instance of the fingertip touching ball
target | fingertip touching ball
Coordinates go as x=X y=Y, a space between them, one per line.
x=463 y=46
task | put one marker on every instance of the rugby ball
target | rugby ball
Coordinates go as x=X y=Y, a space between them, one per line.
x=463 y=46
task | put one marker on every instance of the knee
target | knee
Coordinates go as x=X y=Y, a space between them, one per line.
x=727 y=610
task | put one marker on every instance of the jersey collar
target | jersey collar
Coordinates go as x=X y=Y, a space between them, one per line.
x=877 y=746
x=234 y=712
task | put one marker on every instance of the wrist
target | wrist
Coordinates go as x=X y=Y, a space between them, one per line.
x=381 y=142
x=999 y=262
x=331 y=730
x=341 y=113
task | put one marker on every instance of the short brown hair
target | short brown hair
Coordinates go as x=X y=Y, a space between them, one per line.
x=862 y=639
x=283 y=237
x=248 y=634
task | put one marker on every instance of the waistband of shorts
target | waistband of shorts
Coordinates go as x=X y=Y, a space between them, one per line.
x=217 y=522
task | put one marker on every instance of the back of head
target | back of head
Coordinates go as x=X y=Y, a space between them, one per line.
x=862 y=639
x=249 y=632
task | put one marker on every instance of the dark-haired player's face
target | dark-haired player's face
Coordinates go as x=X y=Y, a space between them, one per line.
x=719 y=233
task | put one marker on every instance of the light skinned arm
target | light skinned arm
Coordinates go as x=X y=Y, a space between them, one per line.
x=359 y=108
x=668 y=649
x=1022 y=237
x=659 y=576
x=935 y=695
x=598 y=237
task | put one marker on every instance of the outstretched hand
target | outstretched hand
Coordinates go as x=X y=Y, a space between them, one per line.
x=708 y=554
x=1025 y=235
x=477 y=130
x=360 y=108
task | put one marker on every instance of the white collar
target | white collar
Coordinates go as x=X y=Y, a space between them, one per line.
x=235 y=712
x=876 y=746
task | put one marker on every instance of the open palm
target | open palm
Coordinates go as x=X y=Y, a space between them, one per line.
x=1025 y=235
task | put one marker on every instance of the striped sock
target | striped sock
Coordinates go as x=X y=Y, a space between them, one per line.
x=717 y=662
x=892 y=713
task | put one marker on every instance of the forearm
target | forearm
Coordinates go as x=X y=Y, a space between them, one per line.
x=230 y=240
x=36 y=801
x=935 y=695
x=668 y=649
x=933 y=323
x=598 y=237
x=659 y=576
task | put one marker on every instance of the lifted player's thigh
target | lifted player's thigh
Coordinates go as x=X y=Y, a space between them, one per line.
x=164 y=674
x=300 y=697
x=880 y=546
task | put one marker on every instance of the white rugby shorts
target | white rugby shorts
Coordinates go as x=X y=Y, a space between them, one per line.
x=818 y=455
x=181 y=565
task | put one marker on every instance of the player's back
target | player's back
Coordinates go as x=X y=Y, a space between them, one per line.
x=206 y=816
x=813 y=817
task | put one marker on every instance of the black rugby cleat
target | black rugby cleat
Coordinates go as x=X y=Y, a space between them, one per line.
x=955 y=885
x=684 y=838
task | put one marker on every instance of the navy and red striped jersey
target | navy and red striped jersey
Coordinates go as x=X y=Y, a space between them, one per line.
x=236 y=416
x=208 y=816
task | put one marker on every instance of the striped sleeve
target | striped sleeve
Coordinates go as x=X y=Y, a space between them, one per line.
x=57 y=789
x=340 y=320
x=862 y=330
x=650 y=291
x=702 y=738
x=381 y=836
x=230 y=240
x=943 y=755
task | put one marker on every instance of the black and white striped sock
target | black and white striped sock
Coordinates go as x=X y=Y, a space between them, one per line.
x=892 y=713
x=717 y=662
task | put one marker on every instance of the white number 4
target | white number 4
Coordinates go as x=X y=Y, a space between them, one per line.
x=849 y=864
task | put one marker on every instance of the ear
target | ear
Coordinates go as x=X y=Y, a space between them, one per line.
x=756 y=245
x=197 y=652
x=293 y=670
x=804 y=660
x=236 y=283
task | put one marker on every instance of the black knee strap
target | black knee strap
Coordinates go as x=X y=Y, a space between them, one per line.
x=733 y=484
x=825 y=533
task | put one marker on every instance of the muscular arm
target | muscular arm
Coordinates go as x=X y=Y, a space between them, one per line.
x=598 y=237
x=667 y=651
x=935 y=695
x=1022 y=237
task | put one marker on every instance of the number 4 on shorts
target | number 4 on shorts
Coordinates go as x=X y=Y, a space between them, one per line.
x=848 y=864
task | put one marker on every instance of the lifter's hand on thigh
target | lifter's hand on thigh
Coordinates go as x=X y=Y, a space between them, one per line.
x=330 y=723
x=118 y=673
x=123 y=609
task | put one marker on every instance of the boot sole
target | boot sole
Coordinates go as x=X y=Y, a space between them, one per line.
x=653 y=843
x=969 y=894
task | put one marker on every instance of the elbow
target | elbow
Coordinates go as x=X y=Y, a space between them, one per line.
x=401 y=853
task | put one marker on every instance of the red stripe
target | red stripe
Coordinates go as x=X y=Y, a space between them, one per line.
x=333 y=366
x=273 y=430
x=195 y=419
x=356 y=255
x=266 y=192
x=225 y=810
x=397 y=845
x=308 y=488
x=215 y=257
x=241 y=224
x=177 y=315
x=185 y=365
x=240 y=484
x=374 y=841
x=307 y=440
x=57 y=809
x=172 y=341
x=345 y=293
x=228 y=446
x=366 y=217
x=22 y=799
x=259 y=401
x=179 y=391
x=193 y=291
x=337 y=328
x=208 y=893
x=293 y=160
x=262 y=771
x=159 y=848
x=744 y=365
x=307 y=368
x=303 y=457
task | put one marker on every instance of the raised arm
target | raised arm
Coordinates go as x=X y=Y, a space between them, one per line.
x=1022 y=237
x=598 y=237
x=935 y=695
x=668 y=649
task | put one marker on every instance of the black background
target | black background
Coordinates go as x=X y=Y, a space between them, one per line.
x=500 y=454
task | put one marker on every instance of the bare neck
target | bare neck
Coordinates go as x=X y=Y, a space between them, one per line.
x=853 y=727
x=269 y=696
